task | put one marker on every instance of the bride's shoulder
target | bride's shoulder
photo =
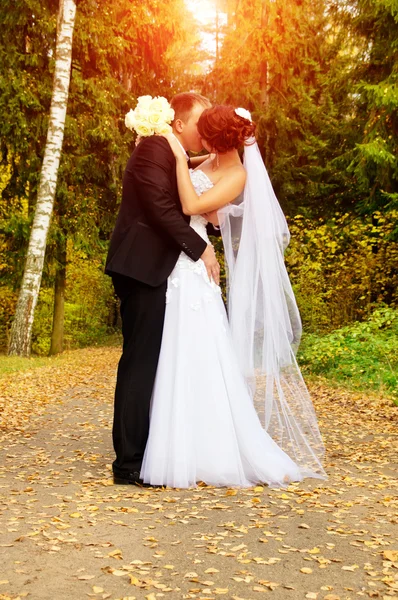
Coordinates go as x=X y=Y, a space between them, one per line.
x=237 y=173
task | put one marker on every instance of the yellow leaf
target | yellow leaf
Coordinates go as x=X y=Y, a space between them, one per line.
x=350 y=568
x=119 y=573
x=306 y=570
x=391 y=555
x=97 y=590
x=236 y=548
x=75 y=515
x=314 y=551
x=211 y=570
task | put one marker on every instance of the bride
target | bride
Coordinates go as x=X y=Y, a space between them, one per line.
x=229 y=405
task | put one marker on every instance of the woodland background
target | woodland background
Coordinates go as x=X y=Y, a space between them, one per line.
x=320 y=78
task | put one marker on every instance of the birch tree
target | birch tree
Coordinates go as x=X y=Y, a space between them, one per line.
x=21 y=330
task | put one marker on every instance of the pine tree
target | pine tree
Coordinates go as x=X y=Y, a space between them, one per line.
x=374 y=92
x=281 y=61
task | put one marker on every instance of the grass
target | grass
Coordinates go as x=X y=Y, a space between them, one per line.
x=360 y=357
x=12 y=364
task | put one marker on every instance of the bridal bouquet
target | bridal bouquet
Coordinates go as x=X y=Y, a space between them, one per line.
x=150 y=116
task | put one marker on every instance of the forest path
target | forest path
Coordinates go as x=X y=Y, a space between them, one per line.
x=68 y=533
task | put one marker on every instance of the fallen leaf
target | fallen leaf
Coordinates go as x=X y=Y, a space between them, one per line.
x=211 y=570
x=391 y=555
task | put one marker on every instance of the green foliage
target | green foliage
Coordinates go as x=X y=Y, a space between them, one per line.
x=11 y=364
x=321 y=80
x=90 y=306
x=341 y=269
x=8 y=300
x=361 y=355
x=119 y=52
x=281 y=61
x=372 y=160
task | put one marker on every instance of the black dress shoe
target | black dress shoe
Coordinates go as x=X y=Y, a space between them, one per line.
x=129 y=479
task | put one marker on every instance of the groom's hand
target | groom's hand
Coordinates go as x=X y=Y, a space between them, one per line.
x=211 y=263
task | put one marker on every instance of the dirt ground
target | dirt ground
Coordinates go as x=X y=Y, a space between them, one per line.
x=68 y=533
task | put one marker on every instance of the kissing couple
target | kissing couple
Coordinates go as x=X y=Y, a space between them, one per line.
x=202 y=396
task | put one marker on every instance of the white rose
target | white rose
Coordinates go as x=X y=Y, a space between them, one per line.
x=156 y=105
x=161 y=105
x=129 y=120
x=141 y=113
x=144 y=102
x=144 y=129
x=162 y=102
x=163 y=128
x=170 y=115
x=242 y=112
x=155 y=118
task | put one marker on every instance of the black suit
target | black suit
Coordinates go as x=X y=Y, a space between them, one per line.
x=151 y=231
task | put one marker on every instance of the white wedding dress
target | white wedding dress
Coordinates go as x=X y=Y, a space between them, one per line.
x=203 y=424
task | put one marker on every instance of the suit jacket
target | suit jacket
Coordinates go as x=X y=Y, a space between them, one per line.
x=151 y=229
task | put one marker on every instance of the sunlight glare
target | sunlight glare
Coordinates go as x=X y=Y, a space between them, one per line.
x=203 y=10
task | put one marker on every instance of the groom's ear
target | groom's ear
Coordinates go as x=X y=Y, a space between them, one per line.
x=178 y=125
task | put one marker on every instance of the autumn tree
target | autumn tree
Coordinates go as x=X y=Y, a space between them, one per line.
x=119 y=53
x=21 y=330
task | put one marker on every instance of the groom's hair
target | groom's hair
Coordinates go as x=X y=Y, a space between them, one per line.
x=184 y=103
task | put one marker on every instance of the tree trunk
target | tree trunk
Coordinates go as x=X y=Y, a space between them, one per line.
x=21 y=330
x=264 y=62
x=57 y=334
x=217 y=33
x=264 y=76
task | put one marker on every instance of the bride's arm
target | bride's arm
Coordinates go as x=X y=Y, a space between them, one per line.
x=226 y=190
x=198 y=160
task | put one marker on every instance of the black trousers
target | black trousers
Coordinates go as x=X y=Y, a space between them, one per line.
x=142 y=310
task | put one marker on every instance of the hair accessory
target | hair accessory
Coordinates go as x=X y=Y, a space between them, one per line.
x=242 y=112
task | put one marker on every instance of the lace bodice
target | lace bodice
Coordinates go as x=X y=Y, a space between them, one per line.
x=201 y=183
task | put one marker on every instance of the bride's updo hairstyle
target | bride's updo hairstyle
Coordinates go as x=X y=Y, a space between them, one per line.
x=223 y=129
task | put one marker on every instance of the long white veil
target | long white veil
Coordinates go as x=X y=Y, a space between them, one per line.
x=264 y=318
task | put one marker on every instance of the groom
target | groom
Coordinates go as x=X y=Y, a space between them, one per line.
x=151 y=231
